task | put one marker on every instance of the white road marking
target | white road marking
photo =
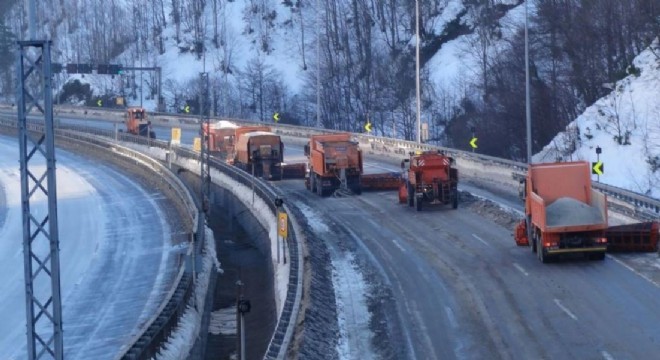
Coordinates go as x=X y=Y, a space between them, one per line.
x=451 y=317
x=480 y=239
x=607 y=355
x=396 y=243
x=520 y=268
x=568 y=312
x=633 y=270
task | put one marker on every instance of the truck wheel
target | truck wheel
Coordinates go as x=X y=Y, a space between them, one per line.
x=543 y=257
x=454 y=201
x=418 y=203
x=531 y=234
x=357 y=189
x=599 y=256
x=312 y=182
x=319 y=187
x=411 y=195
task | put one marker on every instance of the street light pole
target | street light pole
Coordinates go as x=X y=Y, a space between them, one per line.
x=419 y=106
x=528 y=111
x=318 y=64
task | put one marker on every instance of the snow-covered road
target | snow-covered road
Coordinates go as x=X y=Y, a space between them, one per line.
x=116 y=258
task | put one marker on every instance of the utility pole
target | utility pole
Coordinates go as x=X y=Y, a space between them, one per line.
x=417 y=85
x=40 y=229
x=318 y=64
x=32 y=21
x=528 y=111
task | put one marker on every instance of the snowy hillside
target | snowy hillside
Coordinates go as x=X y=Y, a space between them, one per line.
x=625 y=124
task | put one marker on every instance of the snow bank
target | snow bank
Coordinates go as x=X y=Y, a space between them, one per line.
x=183 y=338
x=631 y=111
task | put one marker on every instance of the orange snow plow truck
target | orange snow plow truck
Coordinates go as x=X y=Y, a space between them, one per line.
x=138 y=124
x=259 y=151
x=428 y=177
x=221 y=137
x=563 y=213
x=334 y=162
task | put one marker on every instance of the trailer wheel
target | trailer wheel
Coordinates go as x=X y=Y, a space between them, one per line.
x=411 y=194
x=418 y=203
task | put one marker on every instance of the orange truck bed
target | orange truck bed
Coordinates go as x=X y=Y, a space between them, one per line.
x=567 y=215
x=562 y=199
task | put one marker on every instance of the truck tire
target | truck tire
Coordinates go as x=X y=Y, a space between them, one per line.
x=599 y=256
x=418 y=203
x=357 y=189
x=319 y=186
x=543 y=257
x=454 y=200
x=312 y=182
x=411 y=194
x=531 y=234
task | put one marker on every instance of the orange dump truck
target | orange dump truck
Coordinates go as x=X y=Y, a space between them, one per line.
x=429 y=177
x=137 y=123
x=563 y=213
x=334 y=162
x=221 y=137
x=259 y=152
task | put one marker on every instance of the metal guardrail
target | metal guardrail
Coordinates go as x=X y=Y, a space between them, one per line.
x=147 y=342
x=286 y=322
x=636 y=203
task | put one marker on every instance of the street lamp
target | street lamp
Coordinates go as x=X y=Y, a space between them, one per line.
x=419 y=106
x=528 y=111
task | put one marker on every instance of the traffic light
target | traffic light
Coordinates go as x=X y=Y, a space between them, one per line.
x=115 y=69
x=56 y=68
x=102 y=69
x=72 y=68
x=84 y=68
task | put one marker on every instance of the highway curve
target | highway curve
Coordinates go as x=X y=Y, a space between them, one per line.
x=452 y=284
x=464 y=290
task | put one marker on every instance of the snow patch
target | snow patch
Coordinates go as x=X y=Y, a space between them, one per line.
x=314 y=219
x=352 y=312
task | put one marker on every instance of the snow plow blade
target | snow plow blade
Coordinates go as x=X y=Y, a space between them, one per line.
x=642 y=237
x=378 y=182
x=294 y=171
x=521 y=234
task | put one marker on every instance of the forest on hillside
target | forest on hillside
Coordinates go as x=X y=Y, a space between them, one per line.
x=365 y=54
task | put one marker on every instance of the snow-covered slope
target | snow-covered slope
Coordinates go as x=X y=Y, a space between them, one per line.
x=625 y=124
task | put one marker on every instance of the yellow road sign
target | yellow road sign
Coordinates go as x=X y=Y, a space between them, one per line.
x=119 y=101
x=368 y=127
x=176 y=136
x=99 y=102
x=186 y=109
x=276 y=117
x=282 y=224
x=473 y=142
x=597 y=168
x=197 y=144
